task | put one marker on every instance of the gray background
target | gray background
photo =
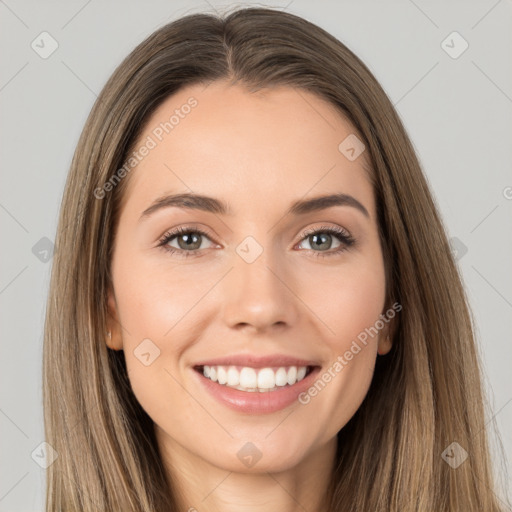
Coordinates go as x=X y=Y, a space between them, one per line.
x=457 y=112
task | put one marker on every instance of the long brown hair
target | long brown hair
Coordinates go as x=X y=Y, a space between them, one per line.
x=426 y=392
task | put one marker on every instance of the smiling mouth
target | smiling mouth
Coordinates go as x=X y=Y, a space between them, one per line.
x=246 y=378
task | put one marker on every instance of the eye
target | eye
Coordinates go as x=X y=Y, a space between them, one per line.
x=189 y=241
x=320 y=240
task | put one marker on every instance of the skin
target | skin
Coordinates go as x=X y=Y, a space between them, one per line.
x=259 y=152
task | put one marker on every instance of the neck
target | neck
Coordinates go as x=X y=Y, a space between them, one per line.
x=200 y=486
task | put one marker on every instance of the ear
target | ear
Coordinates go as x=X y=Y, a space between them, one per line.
x=113 y=334
x=385 y=341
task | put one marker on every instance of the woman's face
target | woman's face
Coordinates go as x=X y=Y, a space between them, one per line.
x=256 y=291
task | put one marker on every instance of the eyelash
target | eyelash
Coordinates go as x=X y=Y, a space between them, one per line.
x=346 y=240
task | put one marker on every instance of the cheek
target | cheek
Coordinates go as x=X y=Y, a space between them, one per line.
x=157 y=308
x=360 y=302
x=155 y=298
x=350 y=304
x=348 y=300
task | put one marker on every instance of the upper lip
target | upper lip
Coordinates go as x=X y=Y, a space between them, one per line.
x=254 y=361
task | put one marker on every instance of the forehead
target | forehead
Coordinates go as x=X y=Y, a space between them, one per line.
x=272 y=146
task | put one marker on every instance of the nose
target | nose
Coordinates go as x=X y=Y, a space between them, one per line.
x=259 y=295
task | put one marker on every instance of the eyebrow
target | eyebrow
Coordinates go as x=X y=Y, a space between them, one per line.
x=213 y=205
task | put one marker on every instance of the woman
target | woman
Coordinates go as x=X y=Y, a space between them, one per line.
x=253 y=303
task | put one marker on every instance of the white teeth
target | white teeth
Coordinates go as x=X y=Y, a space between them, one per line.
x=292 y=375
x=222 y=375
x=251 y=379
x=248 y=378
x=266 y=378
x=233 y=377
x=281 y=377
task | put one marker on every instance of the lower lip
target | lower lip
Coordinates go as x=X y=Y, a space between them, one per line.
x=257 y=402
